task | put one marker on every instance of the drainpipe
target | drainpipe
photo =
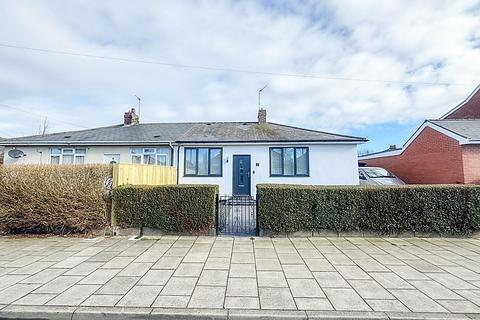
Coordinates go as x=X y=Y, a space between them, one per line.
x=41 y=156
x=178 y=156
x=173 y=151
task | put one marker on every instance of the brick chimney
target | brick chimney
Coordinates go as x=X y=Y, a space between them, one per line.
x=262 y=116
x=130 y=117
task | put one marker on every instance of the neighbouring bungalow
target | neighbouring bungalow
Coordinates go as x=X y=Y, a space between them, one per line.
x=445 y=150
x=235 y=155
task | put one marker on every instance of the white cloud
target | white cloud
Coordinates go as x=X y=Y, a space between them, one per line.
x=406 y=40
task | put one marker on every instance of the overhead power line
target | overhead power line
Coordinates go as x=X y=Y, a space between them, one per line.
x=4 y=134
x=2 y=105
x=223 y=69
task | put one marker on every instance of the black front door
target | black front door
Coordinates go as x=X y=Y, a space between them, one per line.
x=241 y=175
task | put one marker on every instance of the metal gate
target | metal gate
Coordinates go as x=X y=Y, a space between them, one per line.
x=237 y=215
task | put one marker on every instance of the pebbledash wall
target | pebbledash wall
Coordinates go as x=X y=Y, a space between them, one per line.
x=329 y=163
x=433 y=157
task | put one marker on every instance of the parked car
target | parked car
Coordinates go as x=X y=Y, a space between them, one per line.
x=377 y=176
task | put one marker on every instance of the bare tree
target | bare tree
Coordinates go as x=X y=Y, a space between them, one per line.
x=364 y=151
x=43 y=128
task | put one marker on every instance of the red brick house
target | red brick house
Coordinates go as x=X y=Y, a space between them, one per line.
x=446 y=150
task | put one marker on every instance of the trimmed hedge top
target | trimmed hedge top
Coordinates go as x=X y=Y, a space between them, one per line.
x=52 y=198
x=170 y=208
x=442 y=209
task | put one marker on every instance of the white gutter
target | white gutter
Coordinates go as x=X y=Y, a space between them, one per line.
x=387 y=153
x=269 y=143
x=89 y=143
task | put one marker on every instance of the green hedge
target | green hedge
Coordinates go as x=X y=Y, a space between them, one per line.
x=441 y=209
x=169 y=208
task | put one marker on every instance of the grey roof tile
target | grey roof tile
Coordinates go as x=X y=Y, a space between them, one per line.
x=193 y=132
x=467 y=128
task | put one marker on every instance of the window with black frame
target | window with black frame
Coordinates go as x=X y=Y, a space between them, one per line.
x=203 y=162
x=289 y=162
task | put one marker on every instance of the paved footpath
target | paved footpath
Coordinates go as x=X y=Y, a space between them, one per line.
x=239 y=278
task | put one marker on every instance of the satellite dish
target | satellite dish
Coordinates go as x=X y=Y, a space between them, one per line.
x=16 y=153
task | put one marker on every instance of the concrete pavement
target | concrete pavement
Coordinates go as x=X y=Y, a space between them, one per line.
x=222 y=277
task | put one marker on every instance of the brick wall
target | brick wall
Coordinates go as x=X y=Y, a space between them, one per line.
x=470 y=110
x=431 y=158
x=471 y=163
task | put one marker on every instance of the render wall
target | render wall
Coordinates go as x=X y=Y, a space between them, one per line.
x=94 y=154
x=330 y=164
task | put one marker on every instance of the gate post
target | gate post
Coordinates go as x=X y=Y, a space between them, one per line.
x=217 y=199
x=256 y=214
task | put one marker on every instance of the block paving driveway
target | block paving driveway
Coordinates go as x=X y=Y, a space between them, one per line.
x=346 y=274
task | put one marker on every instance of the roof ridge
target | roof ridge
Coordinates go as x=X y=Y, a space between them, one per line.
x=444 y=120
x=188 y=132
x=195 y=122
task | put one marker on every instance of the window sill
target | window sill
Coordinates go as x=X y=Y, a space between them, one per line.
x=200 y=176
x=296 y=176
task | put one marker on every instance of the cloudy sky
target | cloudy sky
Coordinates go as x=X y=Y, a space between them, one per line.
x=407 y=60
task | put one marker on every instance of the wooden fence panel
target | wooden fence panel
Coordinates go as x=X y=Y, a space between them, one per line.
x=143 y=174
